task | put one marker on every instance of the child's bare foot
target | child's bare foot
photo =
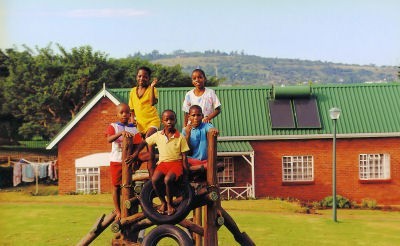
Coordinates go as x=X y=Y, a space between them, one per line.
x=161 y=209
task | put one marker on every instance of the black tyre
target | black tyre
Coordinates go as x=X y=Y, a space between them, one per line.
x=148 y=203
x=170 y=231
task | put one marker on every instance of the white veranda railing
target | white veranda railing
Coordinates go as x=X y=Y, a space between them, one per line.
x=237 y=192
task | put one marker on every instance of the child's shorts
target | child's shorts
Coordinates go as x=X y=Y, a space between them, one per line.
x=116 y=173
x=171 y=166
x=197 y=162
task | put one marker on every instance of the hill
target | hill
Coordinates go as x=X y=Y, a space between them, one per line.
x=244 y=69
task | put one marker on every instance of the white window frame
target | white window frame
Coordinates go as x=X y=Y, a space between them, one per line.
x=228 y=174
x=297 y=168
x=374 y=166
x=87 y=180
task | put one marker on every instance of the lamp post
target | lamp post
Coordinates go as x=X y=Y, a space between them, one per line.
x=334 y=113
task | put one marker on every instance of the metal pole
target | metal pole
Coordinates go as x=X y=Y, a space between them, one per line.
x=334 y=173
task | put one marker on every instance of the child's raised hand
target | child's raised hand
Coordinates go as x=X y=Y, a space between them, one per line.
x=187 y=128
x=155 y=81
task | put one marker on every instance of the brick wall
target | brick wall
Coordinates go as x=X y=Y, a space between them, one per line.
x=268 y=166
x=87 y=137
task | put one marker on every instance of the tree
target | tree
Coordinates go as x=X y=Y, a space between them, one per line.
x=42 y=89
x=46 y=90
x=398 y=73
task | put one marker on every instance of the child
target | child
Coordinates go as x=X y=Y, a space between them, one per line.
x=172 y=164
x=115 y=134
x=196 y=135
x=202 y=96
x=142 y=99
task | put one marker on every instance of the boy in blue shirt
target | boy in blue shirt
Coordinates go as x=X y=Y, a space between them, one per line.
x=195 y=133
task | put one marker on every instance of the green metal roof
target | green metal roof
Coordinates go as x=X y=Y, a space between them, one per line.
x=366 y=108
x=234 y=146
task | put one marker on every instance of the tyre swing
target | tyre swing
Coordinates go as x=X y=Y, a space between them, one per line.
x=167 y=231
x=182 y=202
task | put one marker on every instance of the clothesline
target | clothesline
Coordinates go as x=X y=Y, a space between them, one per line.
x=28 y=171
x=10 y=159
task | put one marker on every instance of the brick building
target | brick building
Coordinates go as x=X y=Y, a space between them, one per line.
x=274 y=141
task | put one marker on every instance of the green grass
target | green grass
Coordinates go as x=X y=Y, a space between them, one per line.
x=49 y=219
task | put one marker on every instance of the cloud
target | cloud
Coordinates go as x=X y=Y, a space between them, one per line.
x=105 y=13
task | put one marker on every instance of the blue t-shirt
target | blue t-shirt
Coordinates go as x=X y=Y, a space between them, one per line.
x=198 y=141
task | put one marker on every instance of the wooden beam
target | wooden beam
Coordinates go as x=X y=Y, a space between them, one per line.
x=101 y=224
x=210 y=227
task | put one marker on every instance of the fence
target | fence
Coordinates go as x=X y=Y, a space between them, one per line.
x=237 y=192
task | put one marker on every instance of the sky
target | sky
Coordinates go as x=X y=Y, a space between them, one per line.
x=342 y=31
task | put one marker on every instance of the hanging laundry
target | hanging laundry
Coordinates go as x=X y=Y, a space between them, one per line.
x=17 y=173
x=43 y=170
x=52 y=169
x=27 y=173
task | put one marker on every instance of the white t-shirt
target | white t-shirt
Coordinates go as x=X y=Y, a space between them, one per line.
x=208 y=101
x=116 y=146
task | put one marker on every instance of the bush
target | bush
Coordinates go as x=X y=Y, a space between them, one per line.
x=341 y=202
x=316 y=205
x=368 y=203
x=6 y=174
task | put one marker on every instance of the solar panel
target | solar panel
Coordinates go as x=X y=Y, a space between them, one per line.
x=281 y=113
x=307 y=114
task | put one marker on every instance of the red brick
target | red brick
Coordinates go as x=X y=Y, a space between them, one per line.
x=88 y=137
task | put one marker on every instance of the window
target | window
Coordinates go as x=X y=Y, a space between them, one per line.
x=374 y=166
x=88 y=180
x=297 y=168
x=294 y=113
x=226 y=176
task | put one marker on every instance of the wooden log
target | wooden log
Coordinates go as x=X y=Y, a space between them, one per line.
x=143 y=224
x=241 y=238
x=132 y=219
x=192 y=227
x=211 y=192
x=210 y=228
x=131 y=202
x=197 y=219
x=200 y=201
x=119 y=225
x=123 y=242
x=126 y=189
x=101 y=224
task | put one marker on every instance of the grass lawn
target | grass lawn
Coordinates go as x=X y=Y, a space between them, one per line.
x=63 y=220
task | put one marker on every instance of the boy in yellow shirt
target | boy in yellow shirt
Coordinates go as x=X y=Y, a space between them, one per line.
x=172 y=164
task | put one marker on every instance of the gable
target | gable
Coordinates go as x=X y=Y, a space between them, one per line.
x=104 y=93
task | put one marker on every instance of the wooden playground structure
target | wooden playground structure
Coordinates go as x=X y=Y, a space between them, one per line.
x=202 y=197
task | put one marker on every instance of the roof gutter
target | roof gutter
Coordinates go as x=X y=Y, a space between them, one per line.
x=311 y=136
